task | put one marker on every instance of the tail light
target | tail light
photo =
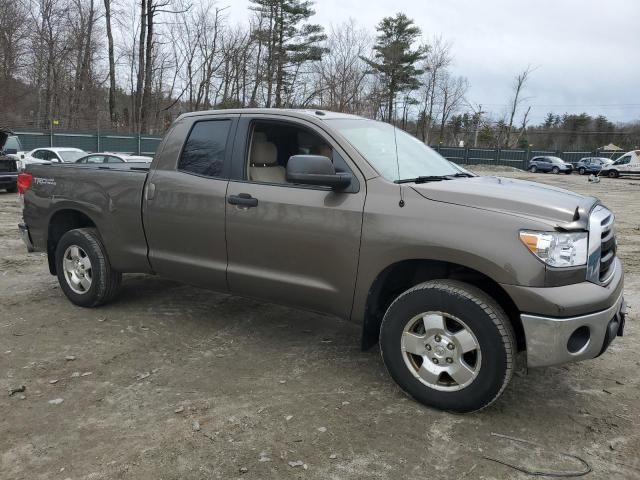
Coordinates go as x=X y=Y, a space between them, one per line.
x=24 y=182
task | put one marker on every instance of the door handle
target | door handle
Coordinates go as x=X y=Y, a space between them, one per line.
x=243 y=200
x=151 y=190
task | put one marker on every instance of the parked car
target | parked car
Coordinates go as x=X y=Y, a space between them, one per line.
x=591 y=164
x=549 y=164
x=627 y=164
x=454 y=274
x=8 y=165
x=108 y=157
x=51 y=155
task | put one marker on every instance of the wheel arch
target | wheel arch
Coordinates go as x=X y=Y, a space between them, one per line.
x=60 y=223
x=402 y=275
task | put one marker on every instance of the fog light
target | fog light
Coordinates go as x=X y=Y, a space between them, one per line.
x=578 y=339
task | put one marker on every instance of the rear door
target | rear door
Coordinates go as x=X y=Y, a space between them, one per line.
x=185 y=202
x=296 y=244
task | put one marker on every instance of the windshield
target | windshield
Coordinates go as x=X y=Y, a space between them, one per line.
x=376 y=142
x=555 y=160
x=70 y=155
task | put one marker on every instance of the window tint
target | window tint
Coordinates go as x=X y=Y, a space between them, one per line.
x=95 y=159
x=111 y=159
x=204 y=150
x=624 y=160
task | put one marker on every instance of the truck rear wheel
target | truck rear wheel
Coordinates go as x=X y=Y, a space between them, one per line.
x=84 y=272
x=448 y=345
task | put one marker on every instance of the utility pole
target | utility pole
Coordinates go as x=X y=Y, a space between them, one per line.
x=478 y=116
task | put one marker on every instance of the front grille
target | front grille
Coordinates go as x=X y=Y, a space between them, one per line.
x=8 y=166
x=602 y=246
x=607 y=247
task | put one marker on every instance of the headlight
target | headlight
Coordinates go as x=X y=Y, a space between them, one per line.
x=558 y=249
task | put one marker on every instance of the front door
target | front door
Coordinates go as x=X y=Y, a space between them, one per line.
x=185 y=203
x=291 y=244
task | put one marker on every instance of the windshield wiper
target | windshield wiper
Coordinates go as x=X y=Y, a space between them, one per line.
x=462 y=175
x=424 y=179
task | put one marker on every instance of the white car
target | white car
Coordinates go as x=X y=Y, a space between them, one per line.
x=50 y=155
x=627 y=164
x=109 y=157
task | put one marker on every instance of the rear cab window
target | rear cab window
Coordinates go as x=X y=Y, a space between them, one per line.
x=205 y=149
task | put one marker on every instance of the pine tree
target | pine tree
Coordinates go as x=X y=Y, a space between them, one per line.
x=394 y=59
x=289 y=41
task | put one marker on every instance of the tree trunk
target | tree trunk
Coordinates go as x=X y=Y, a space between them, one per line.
x=112 y=64
x=141 y=64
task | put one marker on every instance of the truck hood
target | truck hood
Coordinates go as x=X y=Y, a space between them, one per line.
x=519 y=197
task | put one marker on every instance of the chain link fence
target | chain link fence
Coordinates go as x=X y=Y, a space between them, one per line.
x=514 y=158
x=90 y=142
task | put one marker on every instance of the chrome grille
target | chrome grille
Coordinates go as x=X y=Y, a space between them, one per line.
x=602 y=246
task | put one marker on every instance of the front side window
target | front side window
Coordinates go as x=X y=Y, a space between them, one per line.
x=396 y=155
x=623 y=160
x=204 y=150
x=95 y=159
x=39 y=154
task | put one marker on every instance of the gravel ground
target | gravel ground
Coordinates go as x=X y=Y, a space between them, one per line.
x=172 y=382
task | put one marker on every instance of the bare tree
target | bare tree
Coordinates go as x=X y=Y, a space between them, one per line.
x=519 y=84
x=452 y=91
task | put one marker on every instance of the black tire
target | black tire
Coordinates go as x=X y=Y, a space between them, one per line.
x=533 y=169
x=555 y=170
x=12 y=190
x=582 y=170
x=612 y=174
x=568 y=172
x=105 y=281
x=483 y=317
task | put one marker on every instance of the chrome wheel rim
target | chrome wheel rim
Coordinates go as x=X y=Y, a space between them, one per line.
x=77 y=269
x=441 y=351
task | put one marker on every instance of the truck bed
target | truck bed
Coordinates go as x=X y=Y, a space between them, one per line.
x=109 y=196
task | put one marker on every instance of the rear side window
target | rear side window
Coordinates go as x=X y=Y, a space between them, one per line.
x=204 y=150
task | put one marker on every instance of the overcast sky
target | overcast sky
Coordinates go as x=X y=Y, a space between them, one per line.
x=587 y=52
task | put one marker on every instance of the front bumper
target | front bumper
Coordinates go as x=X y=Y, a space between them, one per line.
x=553 y=341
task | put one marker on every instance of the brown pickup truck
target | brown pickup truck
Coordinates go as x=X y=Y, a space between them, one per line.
x=455 y=275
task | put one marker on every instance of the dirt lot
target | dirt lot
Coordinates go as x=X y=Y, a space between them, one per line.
x=171 y=382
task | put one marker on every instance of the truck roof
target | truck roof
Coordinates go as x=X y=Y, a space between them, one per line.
x=300 y=113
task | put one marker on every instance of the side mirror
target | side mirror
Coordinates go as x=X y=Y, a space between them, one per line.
x=316 y=170
x=22 y=156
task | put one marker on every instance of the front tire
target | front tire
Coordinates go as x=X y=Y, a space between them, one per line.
x=613 y=174
x=83 y=269
x=533 y=169
x=582 y=170
x=448 y=345
x=12 y=190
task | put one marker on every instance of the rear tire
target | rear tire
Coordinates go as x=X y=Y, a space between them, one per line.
x=582 y=170
x=555 y=170
x=83 y=269
x=533 y=169
x=448 y=345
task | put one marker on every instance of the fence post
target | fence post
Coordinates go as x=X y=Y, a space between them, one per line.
x=498 y=155
x=139 y=140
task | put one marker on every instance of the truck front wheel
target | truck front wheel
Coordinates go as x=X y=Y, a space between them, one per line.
x=84 y=272
x=448 y=345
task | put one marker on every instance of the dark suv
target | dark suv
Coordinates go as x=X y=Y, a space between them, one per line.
x=8 y=166
x=549 y=164
x=592 y=164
